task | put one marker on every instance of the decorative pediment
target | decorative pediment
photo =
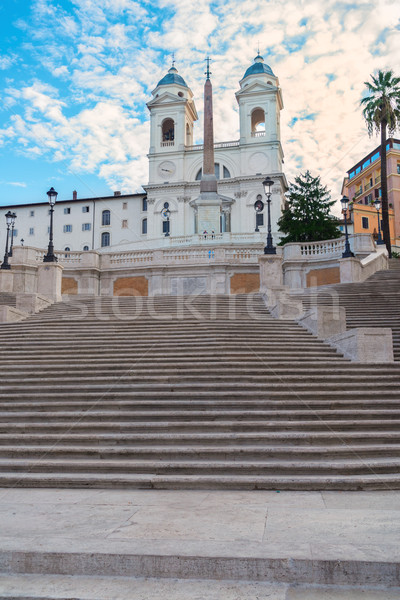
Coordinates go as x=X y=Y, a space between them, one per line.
x=166 y=98
x=256 y=87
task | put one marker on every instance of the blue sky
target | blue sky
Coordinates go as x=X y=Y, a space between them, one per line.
x=76 y=76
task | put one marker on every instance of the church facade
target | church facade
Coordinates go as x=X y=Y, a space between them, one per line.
x=175 y=164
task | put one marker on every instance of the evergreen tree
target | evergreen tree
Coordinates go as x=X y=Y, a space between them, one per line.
x=307 y=217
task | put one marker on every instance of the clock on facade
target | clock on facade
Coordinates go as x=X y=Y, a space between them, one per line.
x=166 y=168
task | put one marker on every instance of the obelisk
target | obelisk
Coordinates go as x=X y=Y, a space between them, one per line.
x=209 y=202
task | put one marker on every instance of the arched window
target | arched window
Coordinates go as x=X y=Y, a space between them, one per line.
x=168 y=131
x=144 y=204
x=85 y=248
x=144 y=226
x=105 y=239
x=257 y=122
x=67 y=249
x=217 y=169
x=105 y=217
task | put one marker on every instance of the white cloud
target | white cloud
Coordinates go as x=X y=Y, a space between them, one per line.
x=107 y=55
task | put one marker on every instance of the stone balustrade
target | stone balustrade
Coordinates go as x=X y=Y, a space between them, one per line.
x=360 y=243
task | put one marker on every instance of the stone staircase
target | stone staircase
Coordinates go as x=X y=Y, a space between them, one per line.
x=201 y=392
x=373 y=303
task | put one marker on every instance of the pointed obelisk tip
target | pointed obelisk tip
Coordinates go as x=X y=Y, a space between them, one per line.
x=208 y=72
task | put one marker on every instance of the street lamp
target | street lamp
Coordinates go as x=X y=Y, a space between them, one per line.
x=377 y=205
x=166 y=213
x=13 y=217
x=5 y=263
x=50 y=256
x=269 y=248
x=347 y=252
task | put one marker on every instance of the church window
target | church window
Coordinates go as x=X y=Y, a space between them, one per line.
x=168 y=131
x=144 y=204
x=225 y=172
x=144 y=226
x=105 y=217
x=259 y=220
x=105 y=239
x=85 y=248
x=257 y=122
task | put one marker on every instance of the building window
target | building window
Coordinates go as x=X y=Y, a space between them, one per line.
x=398 y=168
x=106 y=218
x=365 y=224
x=259 y=220
x=67 y=249
x=168 y=131
x=144 y=226
x=31 y=231
x=15 y=232
x=85 y=248
x=125 y=224
x=144 y=204
x=85 y=209
x=165 y=227
x=67 y=228
x=67 y=211
x=257 y=122
x=86 y=226
x=32 y=213
x=105 y=238
x=217 y=171
x=226 y=173
x=124 y=205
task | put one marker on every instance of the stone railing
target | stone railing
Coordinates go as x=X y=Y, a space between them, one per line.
x=257 y=133
x=360 y=243
x=216 y=146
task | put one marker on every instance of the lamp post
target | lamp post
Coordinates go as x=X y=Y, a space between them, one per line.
x=50 y=256
x=377 y=205
x=347 y=252
x=13 y=217
x=269 y=248
x=5 y=263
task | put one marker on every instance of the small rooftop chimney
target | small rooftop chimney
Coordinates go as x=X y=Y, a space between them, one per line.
x=74 y=195
x=117 y=193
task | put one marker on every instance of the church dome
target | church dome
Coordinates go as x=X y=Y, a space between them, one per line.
x=258 y=67
x=172 y=77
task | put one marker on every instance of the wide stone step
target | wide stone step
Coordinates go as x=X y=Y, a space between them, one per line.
x=223 y=467
x=204 y=482
x=344 y=450
x=328 y=436
x=87 y=425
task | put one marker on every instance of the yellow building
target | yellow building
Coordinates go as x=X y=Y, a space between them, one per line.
x=363 y=187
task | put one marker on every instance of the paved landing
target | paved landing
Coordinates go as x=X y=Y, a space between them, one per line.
x=224 y=530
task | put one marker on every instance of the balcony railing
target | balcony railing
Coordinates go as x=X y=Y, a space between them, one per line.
x=163 y=144
x=216 y=146
x=378 y=179
x=257 y=133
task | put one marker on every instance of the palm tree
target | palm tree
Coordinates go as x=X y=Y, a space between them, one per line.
x=381 y=110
